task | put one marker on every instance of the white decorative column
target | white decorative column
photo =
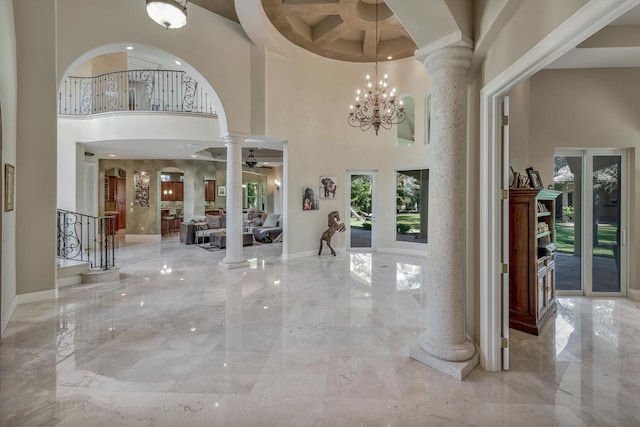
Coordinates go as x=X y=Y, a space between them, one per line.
x=443 y=345
x=234 y=257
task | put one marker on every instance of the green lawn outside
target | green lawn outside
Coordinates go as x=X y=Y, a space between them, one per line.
x=606 y=239
x=411 y=220
x=355 y=223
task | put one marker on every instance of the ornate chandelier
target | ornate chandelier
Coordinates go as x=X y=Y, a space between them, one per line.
x=251 y=161
x=168 y=13
x=376 y=105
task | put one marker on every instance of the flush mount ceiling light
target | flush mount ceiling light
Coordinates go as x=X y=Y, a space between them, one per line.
x=168 y=13
x=251 y=161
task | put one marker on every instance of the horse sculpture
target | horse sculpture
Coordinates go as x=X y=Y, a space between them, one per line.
x=334 y=225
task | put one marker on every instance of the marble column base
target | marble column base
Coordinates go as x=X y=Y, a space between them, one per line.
x=457 y=370
x=233 y=264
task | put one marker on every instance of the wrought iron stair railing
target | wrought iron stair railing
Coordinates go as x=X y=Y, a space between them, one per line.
x=134 y=90
x=87 y=238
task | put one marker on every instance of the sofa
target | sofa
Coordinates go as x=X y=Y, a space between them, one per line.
x=199 y=228
x=265 y=227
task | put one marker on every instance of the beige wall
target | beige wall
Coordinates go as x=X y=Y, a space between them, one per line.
x=146 y=221
x=530 y=24
x=36 y=148
x=108 y=63
x=589 y=108
x=8 y=104
x=519 y=127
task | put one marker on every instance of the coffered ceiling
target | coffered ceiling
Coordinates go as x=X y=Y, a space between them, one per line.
x=338 y=29
x=341 y=29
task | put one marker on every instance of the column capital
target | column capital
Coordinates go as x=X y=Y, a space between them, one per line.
x=451 y=51
x=233 y=139
x=447 y=58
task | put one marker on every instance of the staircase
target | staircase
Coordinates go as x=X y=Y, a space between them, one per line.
x=86 y=249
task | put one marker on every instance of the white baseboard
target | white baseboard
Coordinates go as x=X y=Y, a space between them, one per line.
x=633 y=294
x=301 y=254
x=142 y=238
x=405 y=251
x=37 y=296
x=7 y=316
x=68 y=281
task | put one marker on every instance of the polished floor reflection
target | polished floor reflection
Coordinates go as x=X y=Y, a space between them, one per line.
x=320 y=341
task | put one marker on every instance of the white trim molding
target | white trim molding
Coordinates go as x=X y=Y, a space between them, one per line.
x=634 y=294
x=7 y=316
x=37 y=296
x=592 y=17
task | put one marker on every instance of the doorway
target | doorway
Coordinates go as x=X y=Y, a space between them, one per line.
x=361 y=209
x=591 y=218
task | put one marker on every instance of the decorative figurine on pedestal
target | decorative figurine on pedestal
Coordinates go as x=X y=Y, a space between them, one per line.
x=334 y=225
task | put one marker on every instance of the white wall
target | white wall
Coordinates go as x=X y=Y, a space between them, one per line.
x=308 y=100
x=216 y=47
x=8 y=104
x=589 y=108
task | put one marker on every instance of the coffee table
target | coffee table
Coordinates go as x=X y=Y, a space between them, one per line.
x=219 y=240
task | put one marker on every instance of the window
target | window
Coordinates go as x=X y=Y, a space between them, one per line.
x=412 y=197
x=405 y=130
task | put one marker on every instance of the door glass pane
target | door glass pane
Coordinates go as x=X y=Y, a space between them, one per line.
x=606 y=224
x=361 y=221
x=412 y=202
x=567 y=178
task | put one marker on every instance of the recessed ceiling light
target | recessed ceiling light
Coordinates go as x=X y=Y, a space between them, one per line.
x=178 y=62
x=389 y=57
x=129 y=47
x=193 y=155
x=112 y=155
x=266 y=163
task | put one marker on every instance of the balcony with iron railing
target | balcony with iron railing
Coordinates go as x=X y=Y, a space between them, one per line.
x=135 y=90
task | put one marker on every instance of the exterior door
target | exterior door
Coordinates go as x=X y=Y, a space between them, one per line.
x=591 y=222
x=361 y=217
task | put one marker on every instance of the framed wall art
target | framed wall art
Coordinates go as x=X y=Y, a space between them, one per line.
x=309 y=199
x=328 y=187
x=222 y=190
x=141 y=189
x=534 y=179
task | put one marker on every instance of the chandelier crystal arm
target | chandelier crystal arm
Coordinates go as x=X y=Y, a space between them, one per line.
x=376 y=105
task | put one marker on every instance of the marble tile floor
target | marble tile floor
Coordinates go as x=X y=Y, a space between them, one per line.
x=316 y=341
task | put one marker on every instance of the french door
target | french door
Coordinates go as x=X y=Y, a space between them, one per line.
x=591 y=222
x=360 y=213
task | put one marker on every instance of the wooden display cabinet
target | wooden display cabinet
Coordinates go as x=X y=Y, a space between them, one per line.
x=531 y=258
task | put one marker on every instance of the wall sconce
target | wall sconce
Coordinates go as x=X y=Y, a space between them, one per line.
x=277 y=183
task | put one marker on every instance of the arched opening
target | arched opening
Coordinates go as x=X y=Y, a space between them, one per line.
x=405 y=130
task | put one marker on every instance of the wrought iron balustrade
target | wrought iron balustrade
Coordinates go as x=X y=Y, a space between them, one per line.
x=87 y=238
x=134 y=90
